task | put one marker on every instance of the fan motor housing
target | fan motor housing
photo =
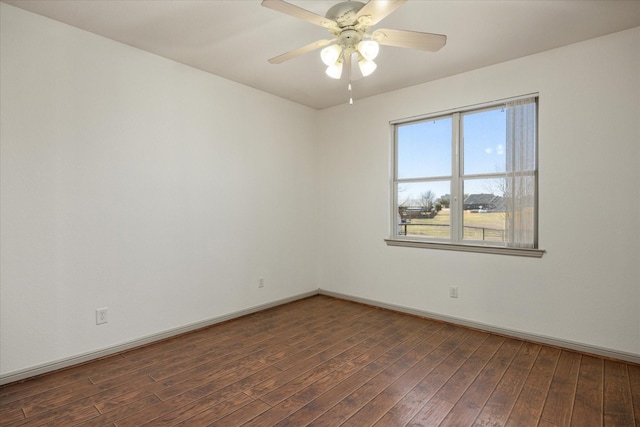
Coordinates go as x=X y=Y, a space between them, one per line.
x=350 y=38
x=344 y=14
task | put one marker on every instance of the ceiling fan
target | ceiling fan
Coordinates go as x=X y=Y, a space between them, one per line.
x=348 y=23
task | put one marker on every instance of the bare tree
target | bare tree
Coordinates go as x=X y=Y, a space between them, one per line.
x=405 y=200
x=426 y=200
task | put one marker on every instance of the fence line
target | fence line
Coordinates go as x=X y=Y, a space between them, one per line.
x=496 y=234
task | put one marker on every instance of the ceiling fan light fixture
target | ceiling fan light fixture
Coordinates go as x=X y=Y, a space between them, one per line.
x=335 y=70
x=367 y=67
x=349 y=22
x=330 y=55
x=368 y=49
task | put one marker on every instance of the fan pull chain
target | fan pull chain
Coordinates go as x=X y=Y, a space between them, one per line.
x=349 y=60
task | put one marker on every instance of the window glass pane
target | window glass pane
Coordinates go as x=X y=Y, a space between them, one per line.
x=424 y=149
x=484 y=216
x=520 y=207
x=484 y=147
x=423 y=209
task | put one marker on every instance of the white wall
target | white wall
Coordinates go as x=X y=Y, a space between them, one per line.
x=586 y=288
x=132 y=182
x=162 y=192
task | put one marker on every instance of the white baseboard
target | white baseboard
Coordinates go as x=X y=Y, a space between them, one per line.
x=86 y=357
x=541 y=339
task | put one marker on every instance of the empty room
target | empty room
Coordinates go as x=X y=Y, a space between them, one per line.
x=310 y=212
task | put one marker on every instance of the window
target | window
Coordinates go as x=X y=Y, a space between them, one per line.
x=467 y=179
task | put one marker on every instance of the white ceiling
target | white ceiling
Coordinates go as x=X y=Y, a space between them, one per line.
x=234 y=38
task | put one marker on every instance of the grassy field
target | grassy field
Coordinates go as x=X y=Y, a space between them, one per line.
x=477 y=226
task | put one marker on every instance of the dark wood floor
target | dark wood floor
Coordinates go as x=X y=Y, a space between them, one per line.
x=328 y=362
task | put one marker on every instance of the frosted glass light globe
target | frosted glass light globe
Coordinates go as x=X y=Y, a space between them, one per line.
x=330 y=54
x=368 y=49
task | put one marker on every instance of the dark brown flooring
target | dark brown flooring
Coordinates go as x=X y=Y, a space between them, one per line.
x=327 y=362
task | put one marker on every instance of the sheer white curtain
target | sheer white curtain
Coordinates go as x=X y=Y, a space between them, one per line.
x=521 y=173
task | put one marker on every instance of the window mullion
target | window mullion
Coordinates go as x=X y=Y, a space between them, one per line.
x=457 y=196
x=394 y=186
x=433 y=179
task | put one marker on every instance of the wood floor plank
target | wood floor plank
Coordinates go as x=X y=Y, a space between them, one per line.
x=403 y=398
x=432 y=413
x=114 y=399
x=212 y=353
x=407 y=407
x=62 y=417
x=323 y=402
x=442 y=343
x=216 y=393
x=323 y=361
x=468 y=407
x=37 y=385
x=241 y=416
x=289 y=405
x=457 y=384
x=559 y=404
x=274 y=395
x=203 y=376
x=54 y=415
x=588 y=406
x=213 y=413
x=187 y=411
x=48 y=394
x=634 y=382
x=92 y=394
x=12 y=416
x=299 y=374
x=76 y=399
x=325 y=346
x=531 y=400
x=345 y=378
x=379 y=335
x=242 y=346
x=618 y=403
x=59 y=416
x=383 y=371
x=497 y=409
x=174 y=352
x=126 y=409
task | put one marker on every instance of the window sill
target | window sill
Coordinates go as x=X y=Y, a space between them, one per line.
x=498 y=250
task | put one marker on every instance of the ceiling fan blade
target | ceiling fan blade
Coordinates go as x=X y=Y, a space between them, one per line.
x=298 y=12
x=308 y=48
x=379 y=9
x=411 y=39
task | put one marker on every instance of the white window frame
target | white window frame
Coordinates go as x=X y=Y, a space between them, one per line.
x=457 y=178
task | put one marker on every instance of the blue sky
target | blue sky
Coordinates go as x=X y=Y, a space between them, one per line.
x=424 y=151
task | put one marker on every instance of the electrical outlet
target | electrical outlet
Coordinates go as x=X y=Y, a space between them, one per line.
x=261 y=282
x=453 y=292
x=101 y=316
